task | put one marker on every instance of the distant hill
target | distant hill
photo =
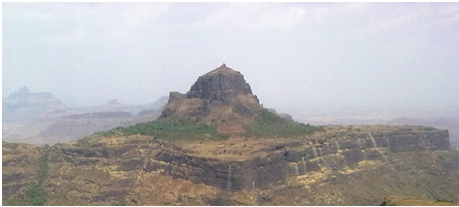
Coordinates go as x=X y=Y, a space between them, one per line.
x=23 y=106
x=41 y=118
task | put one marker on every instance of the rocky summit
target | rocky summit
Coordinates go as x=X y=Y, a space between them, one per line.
x=263 y=159
x=222 y=85
x=220 y=97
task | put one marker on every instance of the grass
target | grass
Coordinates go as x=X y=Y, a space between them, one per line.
x=120 y=203
x=169 y=128
x=36 y=194
x=269 y=124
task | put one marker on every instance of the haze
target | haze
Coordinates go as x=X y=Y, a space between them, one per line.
x=302 y=56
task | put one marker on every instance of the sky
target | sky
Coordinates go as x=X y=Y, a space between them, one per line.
x=294 y=55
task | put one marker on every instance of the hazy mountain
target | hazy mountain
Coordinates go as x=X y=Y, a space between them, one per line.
x=23 y=106
x=41 y=118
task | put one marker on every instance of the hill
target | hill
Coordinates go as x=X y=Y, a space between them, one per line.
x=218 y=105
x=215 y=145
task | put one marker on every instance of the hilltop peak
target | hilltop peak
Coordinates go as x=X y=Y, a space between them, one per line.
x=221 y=97
x=222 y=84
x=223 y=66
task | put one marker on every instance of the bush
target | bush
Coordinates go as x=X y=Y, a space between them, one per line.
x=271 y=125
x=444 y=200
x=168 y=128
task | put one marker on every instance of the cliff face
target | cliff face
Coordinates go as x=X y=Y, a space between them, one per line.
x=299 y=157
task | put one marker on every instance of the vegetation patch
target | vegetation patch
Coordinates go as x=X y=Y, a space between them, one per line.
x=269 y=124
x=168 y=128
x=444 y=200
x=36 y=194
x=120 y=203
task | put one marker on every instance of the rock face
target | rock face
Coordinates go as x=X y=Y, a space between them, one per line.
x=220 y=97
x=222 y=84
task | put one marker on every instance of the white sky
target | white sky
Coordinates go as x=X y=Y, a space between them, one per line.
x=298 y=55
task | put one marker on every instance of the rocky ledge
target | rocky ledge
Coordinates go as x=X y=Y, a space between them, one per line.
x=264 y=163
x=276 y=162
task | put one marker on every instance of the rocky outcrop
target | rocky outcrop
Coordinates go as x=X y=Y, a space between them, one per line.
x=222 y=84
x=219 y=98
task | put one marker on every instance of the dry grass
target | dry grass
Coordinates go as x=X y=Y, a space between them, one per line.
x=409 y=201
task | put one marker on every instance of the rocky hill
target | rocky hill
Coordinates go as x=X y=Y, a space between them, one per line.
x=216 y=145
x=220 y=97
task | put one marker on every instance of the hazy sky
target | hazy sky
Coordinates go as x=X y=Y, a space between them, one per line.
x=301 y=55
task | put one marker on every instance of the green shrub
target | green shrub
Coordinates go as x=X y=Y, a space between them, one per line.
x=267 y=124
x=168 y=128
x=444 y=200
x=271 y=125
